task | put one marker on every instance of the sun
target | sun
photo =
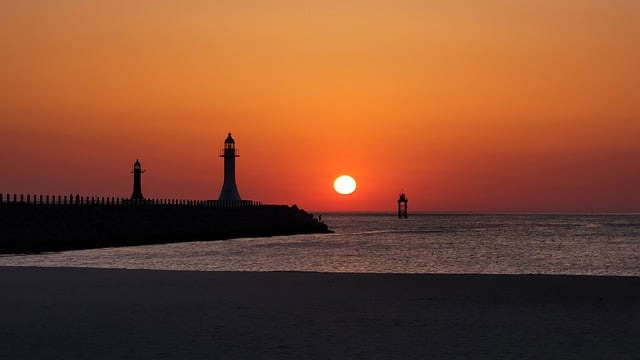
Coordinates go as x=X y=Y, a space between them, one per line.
x=344 y=184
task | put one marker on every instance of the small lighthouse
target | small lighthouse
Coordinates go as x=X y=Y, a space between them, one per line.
x=402 y=206
x=229 y=187
x=137 y=185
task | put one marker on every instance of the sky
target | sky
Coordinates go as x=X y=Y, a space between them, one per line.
x=492 y=105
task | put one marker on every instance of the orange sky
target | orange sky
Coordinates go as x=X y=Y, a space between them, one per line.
x=464 y=105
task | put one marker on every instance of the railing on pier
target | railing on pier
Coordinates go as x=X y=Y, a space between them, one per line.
x=79 y=200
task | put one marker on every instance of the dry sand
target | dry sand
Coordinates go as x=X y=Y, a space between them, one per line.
x=62 y=313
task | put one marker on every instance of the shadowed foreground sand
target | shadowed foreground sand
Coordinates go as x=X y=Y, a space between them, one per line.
x=119 y=314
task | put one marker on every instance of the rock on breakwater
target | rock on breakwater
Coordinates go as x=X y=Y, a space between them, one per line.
x=33 y=228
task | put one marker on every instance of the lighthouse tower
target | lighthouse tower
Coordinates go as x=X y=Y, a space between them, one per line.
x=137 y=186
x=402 y=206
x=229 y=188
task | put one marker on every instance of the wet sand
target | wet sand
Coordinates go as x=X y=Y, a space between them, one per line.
x=63 y=313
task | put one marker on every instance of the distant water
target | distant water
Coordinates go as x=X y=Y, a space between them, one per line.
x=382 y=243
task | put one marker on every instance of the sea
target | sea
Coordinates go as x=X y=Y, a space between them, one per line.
x=457 y=243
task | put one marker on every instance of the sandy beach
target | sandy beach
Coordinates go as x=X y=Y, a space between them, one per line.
x=73 y=313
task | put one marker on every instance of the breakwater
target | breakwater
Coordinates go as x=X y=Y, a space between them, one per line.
x=43 y=223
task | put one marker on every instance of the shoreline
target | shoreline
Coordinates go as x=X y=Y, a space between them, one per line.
x=108 y=313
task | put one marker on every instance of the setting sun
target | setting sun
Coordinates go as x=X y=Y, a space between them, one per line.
x=473 y=105
x=344 y=184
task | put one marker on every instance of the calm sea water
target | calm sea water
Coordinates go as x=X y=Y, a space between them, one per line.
x=381 y=243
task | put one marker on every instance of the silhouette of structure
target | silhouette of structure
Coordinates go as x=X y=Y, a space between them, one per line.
x=402 y=206
x=229 y=187
x=137 y=185
x=36 y=223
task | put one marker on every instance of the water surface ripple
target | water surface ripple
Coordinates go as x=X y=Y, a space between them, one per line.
x=381 y=243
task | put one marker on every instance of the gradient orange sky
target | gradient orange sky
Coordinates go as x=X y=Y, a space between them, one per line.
x=464 y=105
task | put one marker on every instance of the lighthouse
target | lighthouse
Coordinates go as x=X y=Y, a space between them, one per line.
x=137 y=186
x=229 y=187
x=402 y=206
